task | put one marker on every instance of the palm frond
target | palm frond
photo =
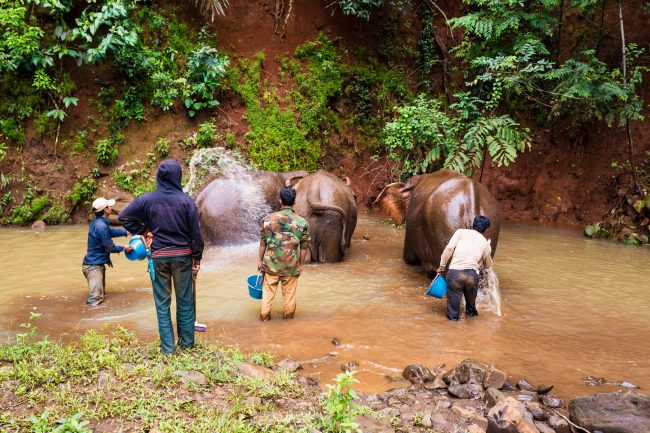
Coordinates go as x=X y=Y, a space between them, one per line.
x=210 y=8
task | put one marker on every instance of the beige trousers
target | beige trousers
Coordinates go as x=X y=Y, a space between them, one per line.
x=270 y=287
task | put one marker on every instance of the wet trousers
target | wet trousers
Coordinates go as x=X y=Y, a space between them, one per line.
x=96 y=276
x=289 y=284
x=461 y=283
x=179 y=271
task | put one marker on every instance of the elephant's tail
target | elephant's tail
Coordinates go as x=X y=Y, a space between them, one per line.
x=321 y=207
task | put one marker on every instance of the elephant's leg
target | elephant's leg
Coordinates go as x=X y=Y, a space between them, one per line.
x=409 y=254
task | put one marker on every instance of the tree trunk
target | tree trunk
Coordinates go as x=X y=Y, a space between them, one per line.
x=630 y=144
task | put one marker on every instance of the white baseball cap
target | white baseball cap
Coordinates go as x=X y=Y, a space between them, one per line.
x=101 y=203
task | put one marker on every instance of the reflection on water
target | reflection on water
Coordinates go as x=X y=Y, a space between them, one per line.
x=572 y=307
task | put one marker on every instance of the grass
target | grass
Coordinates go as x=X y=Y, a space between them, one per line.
x=113 y=377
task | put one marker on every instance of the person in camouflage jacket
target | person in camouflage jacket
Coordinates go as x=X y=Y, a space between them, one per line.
x=284 y=240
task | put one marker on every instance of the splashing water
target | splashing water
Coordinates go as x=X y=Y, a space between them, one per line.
x=213 y=163
x=489 y=294
x=230 y=201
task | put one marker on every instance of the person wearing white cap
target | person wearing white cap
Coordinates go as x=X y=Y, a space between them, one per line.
x=100 y=246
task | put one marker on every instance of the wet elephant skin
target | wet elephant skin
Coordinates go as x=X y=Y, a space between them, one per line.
x=433 y=206
x=328 y=205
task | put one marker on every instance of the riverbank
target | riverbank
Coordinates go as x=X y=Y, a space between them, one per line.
x=112 y=382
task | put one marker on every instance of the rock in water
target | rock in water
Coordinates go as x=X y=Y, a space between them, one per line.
x=494 y=378
x=525 y=386
x=471 y=370
x=549 y=400
x=620 y=412
x=39 y=225
x=416 y=373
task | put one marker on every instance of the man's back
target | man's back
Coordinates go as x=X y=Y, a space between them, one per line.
x=470 y=248
x=285 y=233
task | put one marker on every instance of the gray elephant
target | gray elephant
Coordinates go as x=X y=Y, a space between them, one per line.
x=230 y=208
x=432 y=207
x=329 y=206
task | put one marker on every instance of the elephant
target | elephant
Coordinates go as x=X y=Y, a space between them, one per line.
x=230 y=208
x=328 y=205
x=432 y=207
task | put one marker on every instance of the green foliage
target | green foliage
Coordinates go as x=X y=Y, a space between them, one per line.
x=106 y=149
x=424 y=137
x=82 y=192
x=339 y=405
x=362 y=8
x=207 y=135
x=30 y=210
x=56 y=214
x=163 y=147
x=137 y=181
x=206 y=67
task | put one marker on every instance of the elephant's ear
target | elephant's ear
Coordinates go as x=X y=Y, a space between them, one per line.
x=348 y=182
x=292 y=181
x=393 y=200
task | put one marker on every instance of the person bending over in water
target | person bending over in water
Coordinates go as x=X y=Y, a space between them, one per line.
x=466 y=249
x=284 y=240
x=100 y=246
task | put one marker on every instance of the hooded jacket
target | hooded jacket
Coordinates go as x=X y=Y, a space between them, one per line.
x=168 y=213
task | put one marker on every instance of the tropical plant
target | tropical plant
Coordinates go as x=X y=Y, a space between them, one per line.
x=339 y=405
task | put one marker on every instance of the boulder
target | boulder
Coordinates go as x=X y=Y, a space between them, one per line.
x=464 y=412
x=543 y=388
x=39 y=225
x=559 y=424
x=472 y=371
x=443 y=403
x=437 y=383
x=465 y=390
x=289 y=365
x=494 y=378
x=537 y=411
x=550 y=400
x=493 y=396
x=191 y=376
x=510 y=416
x=438 y=420
x=620 y=412
x=246 y=369
x=417 y=374
x=525 y=386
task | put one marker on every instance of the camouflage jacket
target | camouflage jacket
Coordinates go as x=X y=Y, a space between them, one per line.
x=284 y=234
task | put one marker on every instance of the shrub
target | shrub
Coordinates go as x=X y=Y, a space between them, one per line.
x=56 y=214
x=163 y=147
x=206 y=67
x=207 y=135
x=82 y=191
x=339 y=405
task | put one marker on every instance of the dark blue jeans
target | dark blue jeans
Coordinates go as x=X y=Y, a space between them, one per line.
x=178 y=270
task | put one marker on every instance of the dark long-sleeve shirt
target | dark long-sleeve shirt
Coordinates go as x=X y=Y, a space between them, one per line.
x=168 y=213
x=100 y=242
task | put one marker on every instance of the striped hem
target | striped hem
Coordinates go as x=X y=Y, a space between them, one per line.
x=176 y=252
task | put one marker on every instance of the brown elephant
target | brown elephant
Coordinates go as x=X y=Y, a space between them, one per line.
x=230 y=208
x=329 y=206
x=432 y=207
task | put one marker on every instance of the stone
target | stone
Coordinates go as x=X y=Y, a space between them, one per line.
x=620 y=412
x=474 y=429
x=464 y=412
x=426 y=421
x=336 y=342
x=289 y=365
x=368 y=424
x=537 y=411
x=246 y=369
x=450 y=376
x=550 y=400
x=494 y=378
x=39 y=225
x=624 y=384
x=349 y=366
x=472 y=371
x=437 y=383
x=525 y=386
x=465 y=390
x=559 y=424
x=443 y=403
x=543 y=428
x=510 y=416
x=191 y=376
x=416 y=373
x=543 y=389
x=493 y=396
x=438 y=420
x=507 y=386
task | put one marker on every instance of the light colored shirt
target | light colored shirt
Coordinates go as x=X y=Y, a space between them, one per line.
x=467 y=249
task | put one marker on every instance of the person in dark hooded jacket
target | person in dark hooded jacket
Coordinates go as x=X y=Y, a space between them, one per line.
x=171 y=217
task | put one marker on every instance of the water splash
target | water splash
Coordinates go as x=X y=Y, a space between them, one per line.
x=212 y=163
x=230 y=200
x=489 y=294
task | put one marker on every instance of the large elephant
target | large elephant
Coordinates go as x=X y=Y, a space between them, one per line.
x=433 y=206
x=230 y=208
x=328 y=205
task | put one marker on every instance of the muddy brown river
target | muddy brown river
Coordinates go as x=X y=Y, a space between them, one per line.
x=572 y=307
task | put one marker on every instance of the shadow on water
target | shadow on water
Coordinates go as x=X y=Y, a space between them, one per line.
x=572 y=307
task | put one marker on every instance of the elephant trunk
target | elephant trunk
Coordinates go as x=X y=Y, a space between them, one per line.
x=321 y=207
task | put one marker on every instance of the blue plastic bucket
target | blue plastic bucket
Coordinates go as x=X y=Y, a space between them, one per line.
x=255 y=285
x=139 y=250
x=438 y=287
